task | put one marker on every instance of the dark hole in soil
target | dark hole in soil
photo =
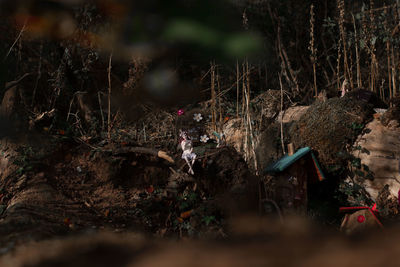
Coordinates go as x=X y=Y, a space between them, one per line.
x=141 y=171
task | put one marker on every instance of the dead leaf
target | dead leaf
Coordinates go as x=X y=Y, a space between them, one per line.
x=106 y=213
x=150 y=189
x=180 y=219
x=67 y=221
x=186 y=214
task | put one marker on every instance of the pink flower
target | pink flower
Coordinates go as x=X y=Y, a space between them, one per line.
x=180 y=112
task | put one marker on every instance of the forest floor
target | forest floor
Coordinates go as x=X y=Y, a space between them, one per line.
x=108 y=202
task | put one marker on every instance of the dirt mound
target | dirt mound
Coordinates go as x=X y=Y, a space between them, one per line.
x=328 y=127
x=88 y=187
x=224 y=172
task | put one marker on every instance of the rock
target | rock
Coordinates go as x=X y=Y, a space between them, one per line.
x=383 y=159
x=234 y=134
x=329 y=127
x=292 y=114
x=267 y=147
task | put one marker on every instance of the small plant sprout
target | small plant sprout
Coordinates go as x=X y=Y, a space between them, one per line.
x=197 y=117
x=204 y=138
x=180 y=112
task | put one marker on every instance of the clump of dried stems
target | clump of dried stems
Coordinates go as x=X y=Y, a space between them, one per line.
x=312 y=48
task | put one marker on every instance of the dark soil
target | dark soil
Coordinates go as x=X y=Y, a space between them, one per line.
x=79 y=188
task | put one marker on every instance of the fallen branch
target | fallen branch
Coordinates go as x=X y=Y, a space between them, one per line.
x=164 y=155
x=47 y=114
x=144 y=150
x=14 y=83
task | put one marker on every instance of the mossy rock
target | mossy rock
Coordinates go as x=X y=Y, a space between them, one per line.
x=328 y=127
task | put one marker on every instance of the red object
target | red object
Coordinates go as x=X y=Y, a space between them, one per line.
x=360 y=219
x=67 y=221
x=180 y=112
x=398 y=197
x=373 y=210
x=374 y=207
x=150 y=189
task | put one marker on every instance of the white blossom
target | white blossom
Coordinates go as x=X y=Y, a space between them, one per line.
x=197 y=117
x=204 y=138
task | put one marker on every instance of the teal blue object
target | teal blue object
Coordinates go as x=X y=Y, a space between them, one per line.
x=217 y=135
x=287 y=160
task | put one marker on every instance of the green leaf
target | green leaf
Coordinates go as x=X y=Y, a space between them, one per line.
x=185 y=30
x=208 y=219
x=362 y=44
x=356 y=162
x=242 y=44
x=192 y=197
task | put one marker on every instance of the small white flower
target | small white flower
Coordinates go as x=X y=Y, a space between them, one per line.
x=79 y=169
x=197 y=117
x=204 y=138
